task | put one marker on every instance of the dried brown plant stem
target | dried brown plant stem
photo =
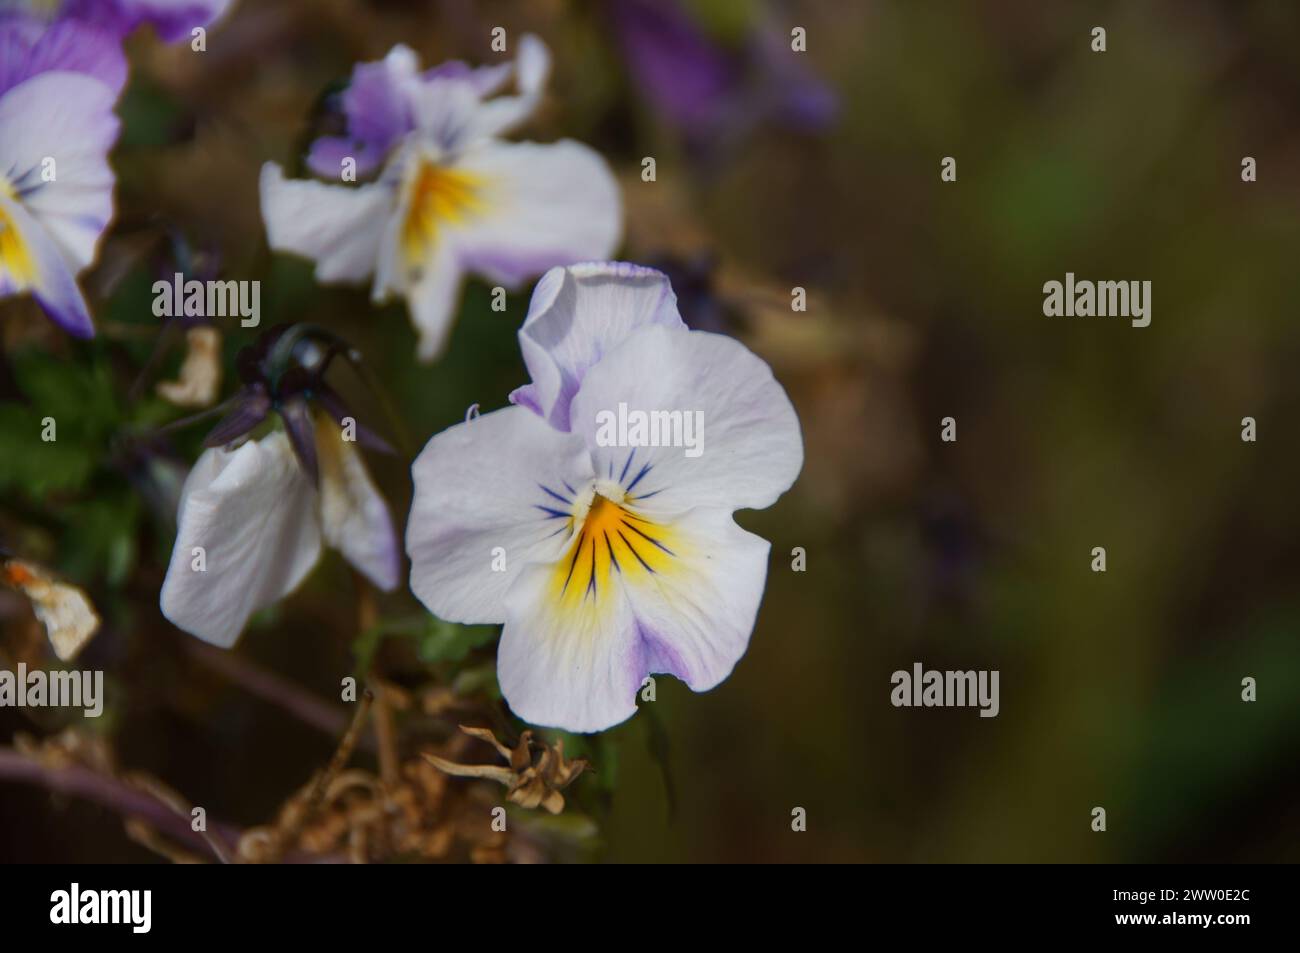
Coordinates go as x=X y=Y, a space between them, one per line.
x=323 y=780
x=172 y=798
x=386 y=737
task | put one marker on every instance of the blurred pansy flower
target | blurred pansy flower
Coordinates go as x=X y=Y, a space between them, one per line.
x=713 y=92
x=172 y=20
x=606 y=563
x=253 y=518
x=34 y=44
x=56 y=187
x=451 y=197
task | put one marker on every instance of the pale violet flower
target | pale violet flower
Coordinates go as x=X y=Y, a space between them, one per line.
x=58 y=85
x=450 y=197
x=254 y=517
x=172 y=20
x=605 y=563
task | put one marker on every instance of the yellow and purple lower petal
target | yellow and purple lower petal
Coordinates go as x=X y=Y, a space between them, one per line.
x=631 y=597
x=30 y=262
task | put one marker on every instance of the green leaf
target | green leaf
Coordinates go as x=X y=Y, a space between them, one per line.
x=101 y=538
x=36 y=466
x=71 y=402
x=449 y=642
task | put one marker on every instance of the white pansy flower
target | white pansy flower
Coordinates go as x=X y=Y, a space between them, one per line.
x=619 y=560
x=451 y=197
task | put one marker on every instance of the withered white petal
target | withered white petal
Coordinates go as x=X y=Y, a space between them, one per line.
x=248 y=533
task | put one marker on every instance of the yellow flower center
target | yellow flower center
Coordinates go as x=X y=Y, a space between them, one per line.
x=612 y=540
x=16 y=262
x=438 y=197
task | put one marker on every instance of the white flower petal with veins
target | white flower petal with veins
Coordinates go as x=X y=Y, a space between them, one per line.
x=252 y=512
x=499 y=480
x=354 y=517
x=568 y=328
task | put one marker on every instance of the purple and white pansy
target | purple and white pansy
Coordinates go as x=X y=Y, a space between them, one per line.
x=606 y=560
x=450 y=196
x=58 y=86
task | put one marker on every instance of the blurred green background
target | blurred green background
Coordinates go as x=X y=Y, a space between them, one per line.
x=1119 y=690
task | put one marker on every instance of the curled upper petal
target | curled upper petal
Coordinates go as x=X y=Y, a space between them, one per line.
x=354 y=516
x=577 y=315
x=734 y=441
x=248 y=533
x=452 y=105
x=492 y=495
x=339 y=227
x=501 y=114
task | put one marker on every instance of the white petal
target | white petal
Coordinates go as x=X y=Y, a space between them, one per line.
x=531 y=69
x=629 y=598
x=354 y=517
x=747 y=448
x=542 y=206
x=430 y=286
x=30 y=261
x=576 y=316
x=487 y=495
x=253 y=512
x=695 y=615
x=575 y=667
x=67 y=118
x=433 y=299
x=339 y=227
x=443 y=109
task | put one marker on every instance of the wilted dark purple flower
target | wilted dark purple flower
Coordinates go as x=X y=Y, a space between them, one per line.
x=284 y=372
